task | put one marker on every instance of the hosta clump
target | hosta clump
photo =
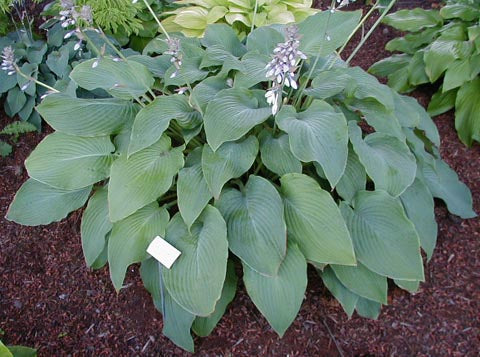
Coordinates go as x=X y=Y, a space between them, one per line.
x=225 y=181
x=443 y=47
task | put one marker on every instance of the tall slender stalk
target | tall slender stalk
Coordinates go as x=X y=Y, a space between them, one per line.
x=156 y=19
x=254 y=15
x=32 y=79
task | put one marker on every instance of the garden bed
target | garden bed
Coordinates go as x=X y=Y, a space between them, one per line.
x=50 y=299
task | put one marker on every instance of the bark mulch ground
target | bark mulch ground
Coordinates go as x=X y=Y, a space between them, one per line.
x=50 y=299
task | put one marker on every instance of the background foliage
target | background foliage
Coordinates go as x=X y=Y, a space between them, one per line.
x=443 y=47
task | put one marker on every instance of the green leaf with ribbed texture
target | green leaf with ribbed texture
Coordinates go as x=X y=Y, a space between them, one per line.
x=345 y=297
x=368 y=308
x=125 y=80
x=413 y=20
x=410 y=286
x=387 y=160
x=328 y=83
x=206 y=90
x=386 y=66
x=232 y=113
x=276 y=154
x=419 y=207
x=142 y=178
x=337 y=26
x=196 y=279
x=95 y=226
x=353 y=179
x=86 y=117
x=467 y=112
x=406 y=111
x=152 y=120
x=203 y=326
x=22 y=351
x=317 y=134
x=464 y=11
x=362 y=281
x=256 y=228
x=264 y=40
x=279 y=298
x=70 y=162
x=442 y=102
x=314 y=221
x=35 y=203
x=222 y=36
x=231 y=160
x=385 y=240
x=192 y=189
x=443 y=183
x=254 y=70
x=176 y=320
x=427 y=124
x=130 y=238
x=438 y=56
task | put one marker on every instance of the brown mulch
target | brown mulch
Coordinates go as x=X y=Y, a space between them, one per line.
x=50 y=299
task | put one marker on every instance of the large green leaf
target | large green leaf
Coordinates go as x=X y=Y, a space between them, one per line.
x=347 y=298
x=329 y=83
x=125 y=80
x=86 y=117
x=232 y=113
x=176 y=320
x=207 y=89
x=368 y=308
x=354 y=178
x=413 y=20
x=279 y=298
x=317 y=134
x=130 y=238
x=438 y=56
x=463 y=11
x=387 y=160
x=362 y=281
x=256 y=228
x=203 y=326
x=196 y=279
x=385 y=241
x=276 y=154
x=231 y=160
x=152 y=120
x=443 y=183
x=326 y=31
x=95 y=226
x=467 y=112
x=314 y=221
x=419 y=207
x=222 y=36
x=264 y=39
x=35 y=203
x=142 y=178
x=192 y=189
x=70 y=162
x=442 y=102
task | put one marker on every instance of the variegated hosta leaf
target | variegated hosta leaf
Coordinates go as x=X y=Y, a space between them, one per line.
x=130 y=238
x=257 y=233
x=142 y=178
x=196 y=279
x=385 y=240
x=279 y=297
x=70 y=162
x=314 y=221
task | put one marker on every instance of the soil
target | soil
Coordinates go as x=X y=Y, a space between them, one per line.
x=50 y=299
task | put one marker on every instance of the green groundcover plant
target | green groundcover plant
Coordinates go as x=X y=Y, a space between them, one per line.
x=246 y=153
x=442 y=46
x=16 y=351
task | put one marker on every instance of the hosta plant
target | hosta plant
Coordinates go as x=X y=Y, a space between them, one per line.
x=244 y=153
x=243 y=15
x=442 y=46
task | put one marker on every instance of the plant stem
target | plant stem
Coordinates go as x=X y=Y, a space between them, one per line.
x=156 y=19
x=375 y=25
x=254 y=15
x=32 y=79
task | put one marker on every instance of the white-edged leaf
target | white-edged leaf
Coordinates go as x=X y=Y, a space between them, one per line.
x=70 y=162
x=256 y=227
x=314 y=221
x=36 y=204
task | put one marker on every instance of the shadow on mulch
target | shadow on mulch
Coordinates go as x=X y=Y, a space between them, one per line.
x=50 y=299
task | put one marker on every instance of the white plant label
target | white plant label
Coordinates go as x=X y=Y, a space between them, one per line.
x=163 y=251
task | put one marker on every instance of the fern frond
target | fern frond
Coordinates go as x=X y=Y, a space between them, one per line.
x=17 y=128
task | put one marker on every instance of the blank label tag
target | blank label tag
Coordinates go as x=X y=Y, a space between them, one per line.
x=163 y=251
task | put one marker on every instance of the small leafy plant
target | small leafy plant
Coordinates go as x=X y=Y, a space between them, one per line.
x=249 y=152
x=14 y=130
x=243 y=15
x=443 y=46
x=16 y=351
